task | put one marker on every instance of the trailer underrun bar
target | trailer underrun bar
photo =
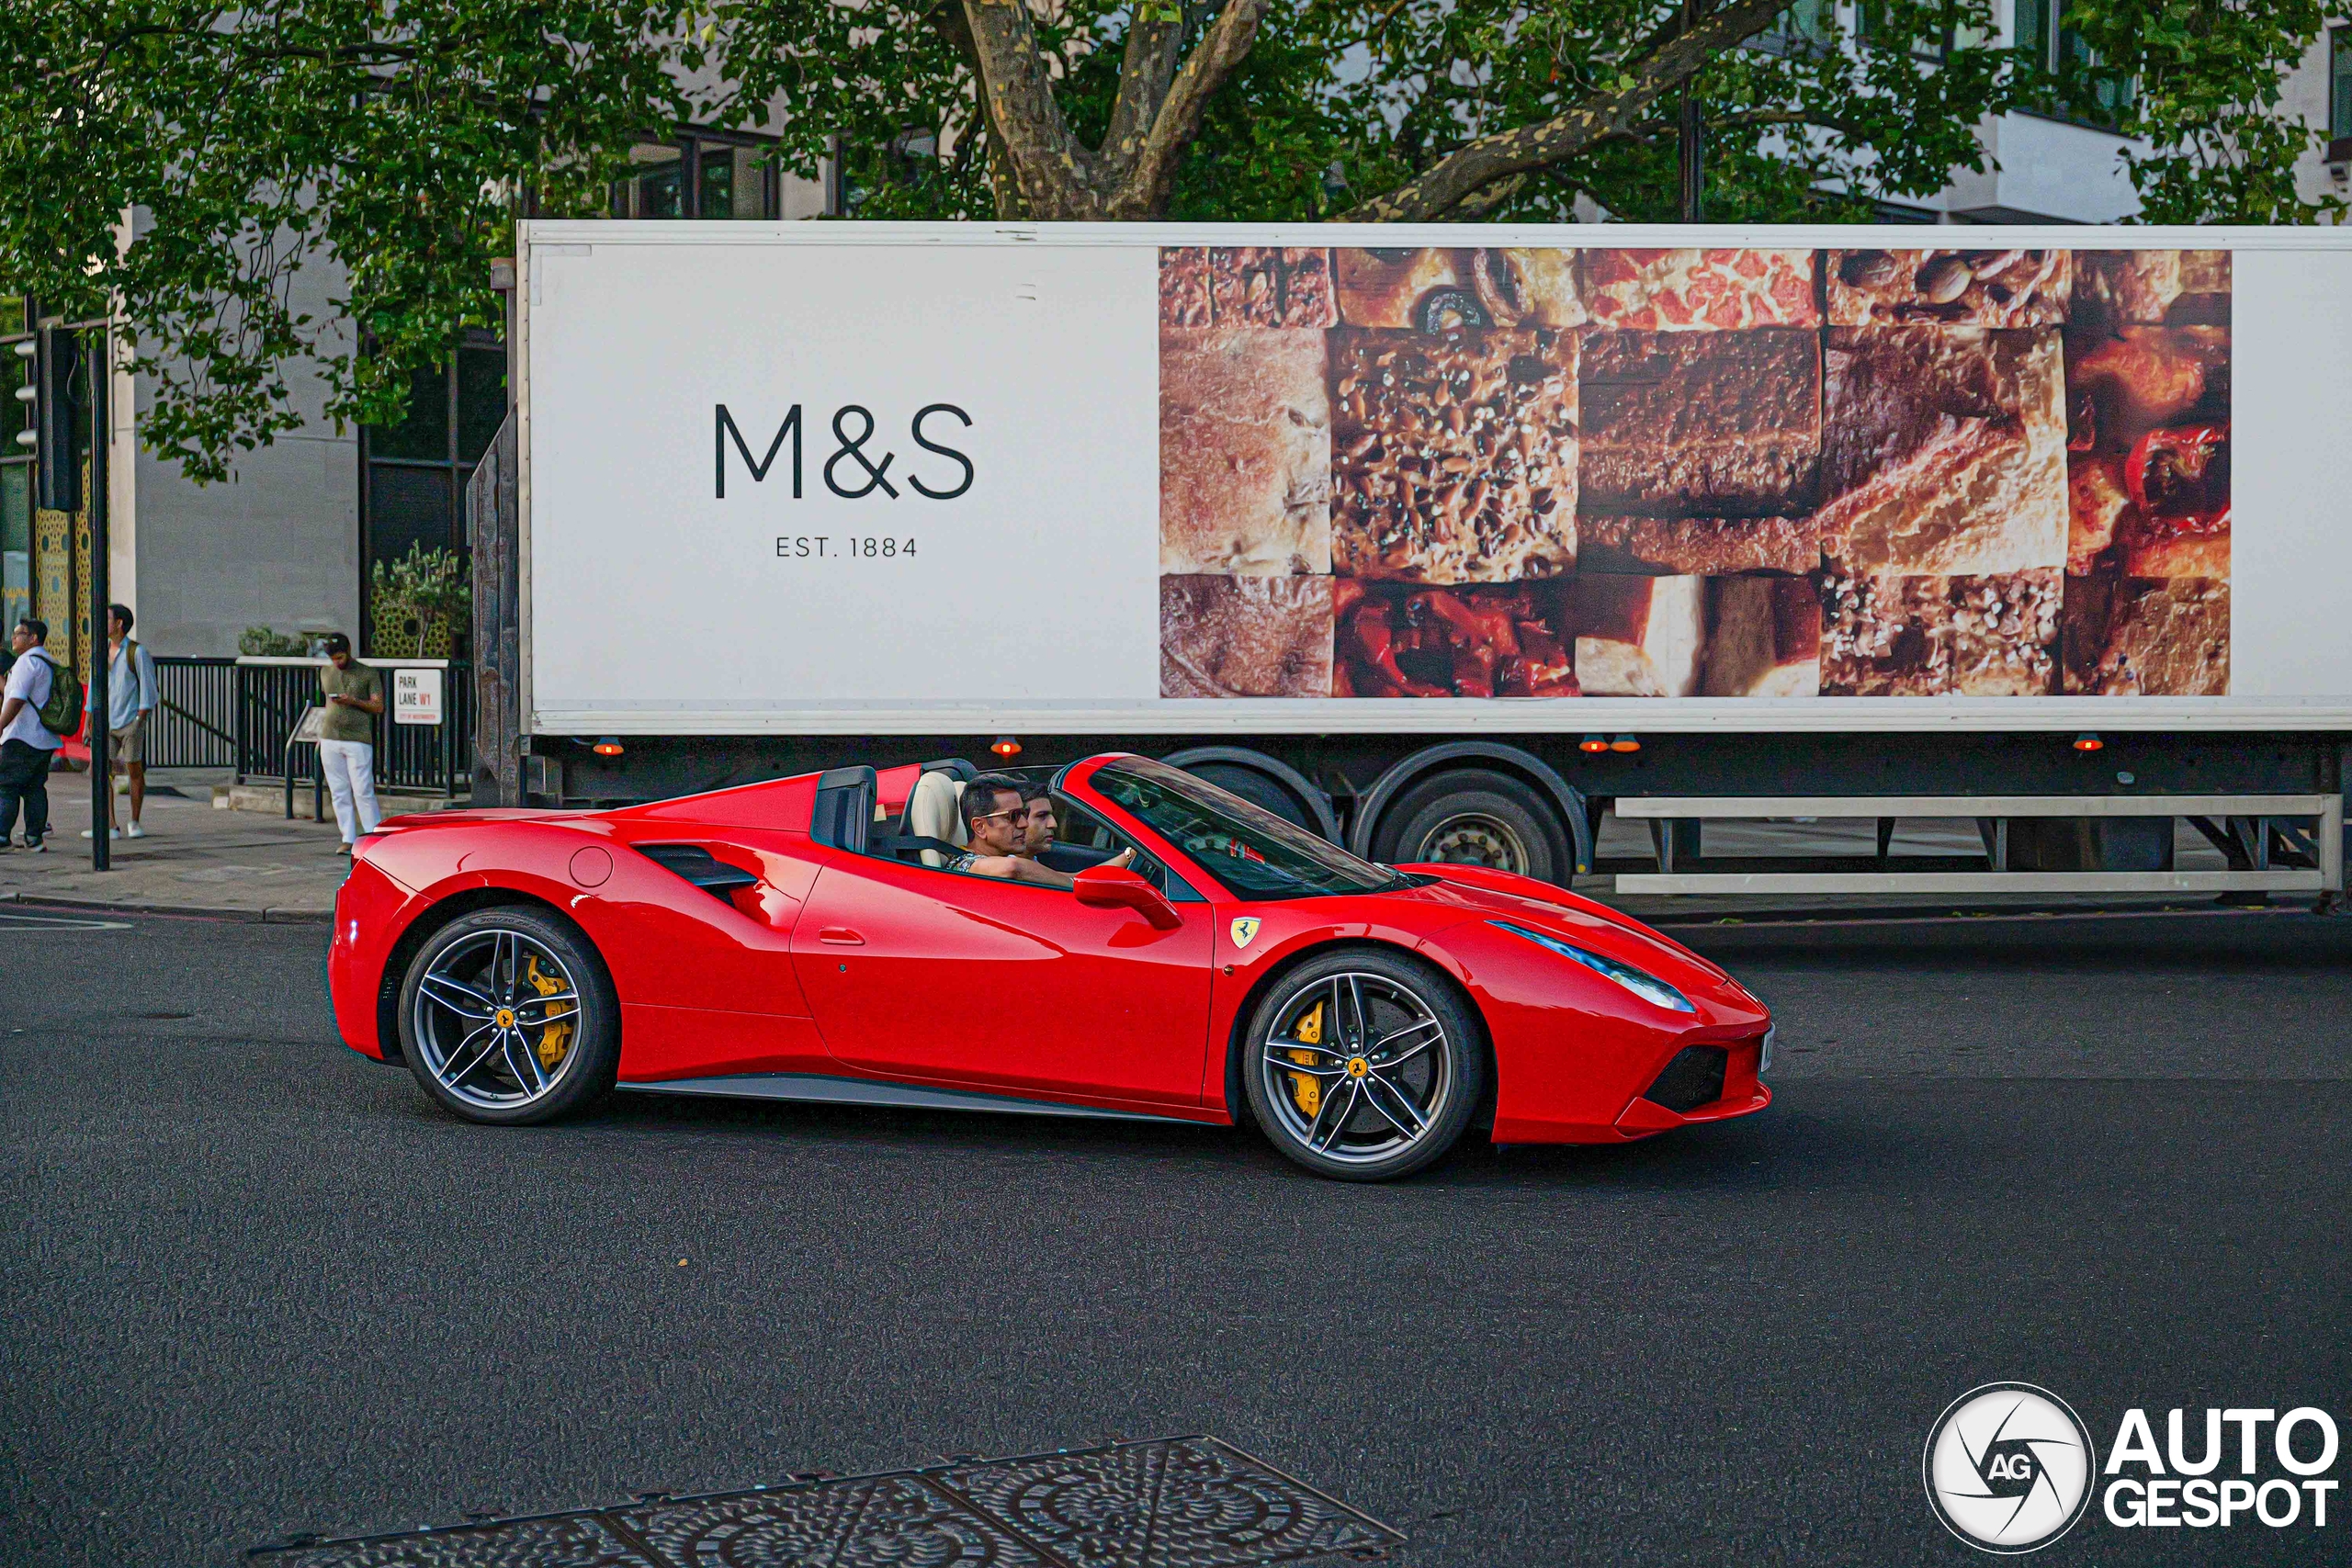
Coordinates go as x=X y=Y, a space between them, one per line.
x=2251 y=823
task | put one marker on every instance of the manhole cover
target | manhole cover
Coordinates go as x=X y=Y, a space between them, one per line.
x=1165 y=1503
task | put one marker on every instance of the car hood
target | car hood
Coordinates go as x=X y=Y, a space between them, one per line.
x=1482 y=895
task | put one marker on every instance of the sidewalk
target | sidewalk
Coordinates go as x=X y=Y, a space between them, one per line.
x=194 y=860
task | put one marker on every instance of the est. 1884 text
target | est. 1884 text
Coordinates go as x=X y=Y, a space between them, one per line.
x=844 y=546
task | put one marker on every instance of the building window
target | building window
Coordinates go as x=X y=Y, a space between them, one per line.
x=413 y=474
x=1808 y=27
x=1871 y=27
x=908 y=159
x=2339 y=83
x=2040 y=29
x=701 y=175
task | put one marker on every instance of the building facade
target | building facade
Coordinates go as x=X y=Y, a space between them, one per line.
x=299 y=535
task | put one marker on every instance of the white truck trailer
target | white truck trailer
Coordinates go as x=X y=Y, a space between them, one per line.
x=1443 y=539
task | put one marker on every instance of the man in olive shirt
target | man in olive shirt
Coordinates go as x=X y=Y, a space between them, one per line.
x=347 y=739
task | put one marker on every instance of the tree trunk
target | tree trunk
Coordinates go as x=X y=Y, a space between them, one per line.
x=1039 y=170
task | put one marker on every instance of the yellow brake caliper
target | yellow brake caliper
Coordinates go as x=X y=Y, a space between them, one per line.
x=555 y=1039
x=1306 y=1090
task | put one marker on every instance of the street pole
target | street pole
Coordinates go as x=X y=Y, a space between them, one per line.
x=98 y=364
x=1692 y=141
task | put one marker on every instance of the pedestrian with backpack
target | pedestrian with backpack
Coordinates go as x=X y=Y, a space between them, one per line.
x=131 y=697
x=43 y=705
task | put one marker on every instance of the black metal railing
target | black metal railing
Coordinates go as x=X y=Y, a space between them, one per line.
x=194 y=724
x=241 y=714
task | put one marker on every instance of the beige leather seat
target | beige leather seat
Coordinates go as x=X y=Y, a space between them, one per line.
x=932 y=813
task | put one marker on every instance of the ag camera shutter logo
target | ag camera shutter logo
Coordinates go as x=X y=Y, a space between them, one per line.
x=2008 y=1467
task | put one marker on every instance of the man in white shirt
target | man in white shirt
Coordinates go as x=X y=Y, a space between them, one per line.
x=27 y=745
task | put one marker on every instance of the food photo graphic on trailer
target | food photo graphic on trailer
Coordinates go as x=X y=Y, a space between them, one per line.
x=1500 y=477
x=1521 y=472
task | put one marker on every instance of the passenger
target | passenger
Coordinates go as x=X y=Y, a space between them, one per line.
x=1037 y=820
x=996 y=825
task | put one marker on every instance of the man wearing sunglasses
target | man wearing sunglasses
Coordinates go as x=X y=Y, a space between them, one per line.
x=996 y=827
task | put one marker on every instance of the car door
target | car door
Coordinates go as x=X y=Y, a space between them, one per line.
x=958 y=978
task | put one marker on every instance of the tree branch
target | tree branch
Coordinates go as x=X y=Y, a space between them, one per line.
x=1155 y=48
x=363 y=54
x=1786 y=117
x=947 y=20
x=1474 y=208
x=1055 y=176
x=1600 y=115
x=1143 y=192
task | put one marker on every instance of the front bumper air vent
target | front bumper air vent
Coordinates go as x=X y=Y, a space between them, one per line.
x=1693 y=1078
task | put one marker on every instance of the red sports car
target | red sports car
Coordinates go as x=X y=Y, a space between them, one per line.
x=811 y=939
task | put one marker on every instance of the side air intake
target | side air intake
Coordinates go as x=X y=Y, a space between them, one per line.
x=699 y=866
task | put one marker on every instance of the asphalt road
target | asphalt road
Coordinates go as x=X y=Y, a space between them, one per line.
x=254 y=1284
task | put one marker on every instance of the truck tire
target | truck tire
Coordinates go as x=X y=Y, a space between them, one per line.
x=1258 y=790
x=1477 y=817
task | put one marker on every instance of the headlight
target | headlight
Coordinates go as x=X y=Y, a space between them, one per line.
x=1643 y=984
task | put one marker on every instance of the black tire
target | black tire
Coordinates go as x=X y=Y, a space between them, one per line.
x=468 y=955
x=1371 y=1134
x=1478 y=816
x=1258 y=790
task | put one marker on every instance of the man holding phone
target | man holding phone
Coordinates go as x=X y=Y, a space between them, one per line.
x=347 y=739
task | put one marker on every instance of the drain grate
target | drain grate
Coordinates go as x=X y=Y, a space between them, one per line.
x=1164 y=1502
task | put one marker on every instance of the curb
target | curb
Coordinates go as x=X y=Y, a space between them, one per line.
x=205 y=911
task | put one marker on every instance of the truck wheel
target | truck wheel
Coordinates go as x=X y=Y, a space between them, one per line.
x=1258 y=790
x=1475 y=817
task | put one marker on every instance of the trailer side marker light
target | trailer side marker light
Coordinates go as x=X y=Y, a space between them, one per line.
x=2087 y=741
x=1593 y=743
x=1006 y=746
x=1624 y=743
x=606 y=746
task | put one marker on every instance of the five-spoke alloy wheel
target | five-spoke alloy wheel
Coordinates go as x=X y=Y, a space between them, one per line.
x=1363 y=1065
x=507 y=1016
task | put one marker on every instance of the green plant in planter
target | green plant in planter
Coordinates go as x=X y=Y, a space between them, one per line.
x=418 y=604
x=260 y=642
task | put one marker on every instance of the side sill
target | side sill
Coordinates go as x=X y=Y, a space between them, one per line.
x=818 y=1088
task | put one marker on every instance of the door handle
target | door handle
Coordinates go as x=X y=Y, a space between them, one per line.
x=840 y=936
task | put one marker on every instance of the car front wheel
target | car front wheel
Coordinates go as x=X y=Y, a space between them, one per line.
x=1363 y=1065
x=507 y=1016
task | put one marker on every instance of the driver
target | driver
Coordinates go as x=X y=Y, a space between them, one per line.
x=996 y=825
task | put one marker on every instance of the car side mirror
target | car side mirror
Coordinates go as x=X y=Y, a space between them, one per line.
x=1116 y=888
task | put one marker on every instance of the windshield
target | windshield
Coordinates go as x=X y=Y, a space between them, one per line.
x=1248 y=848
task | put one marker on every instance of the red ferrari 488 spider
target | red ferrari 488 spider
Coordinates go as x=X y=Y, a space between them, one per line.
x=809 y=939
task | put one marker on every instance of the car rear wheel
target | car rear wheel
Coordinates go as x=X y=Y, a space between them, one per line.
x=507 y=1016
x=1363 y=1065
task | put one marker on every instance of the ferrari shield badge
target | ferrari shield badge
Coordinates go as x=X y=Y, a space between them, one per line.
x=1245 y=931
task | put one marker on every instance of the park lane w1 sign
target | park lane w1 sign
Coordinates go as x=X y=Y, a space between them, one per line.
x=416 y=696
